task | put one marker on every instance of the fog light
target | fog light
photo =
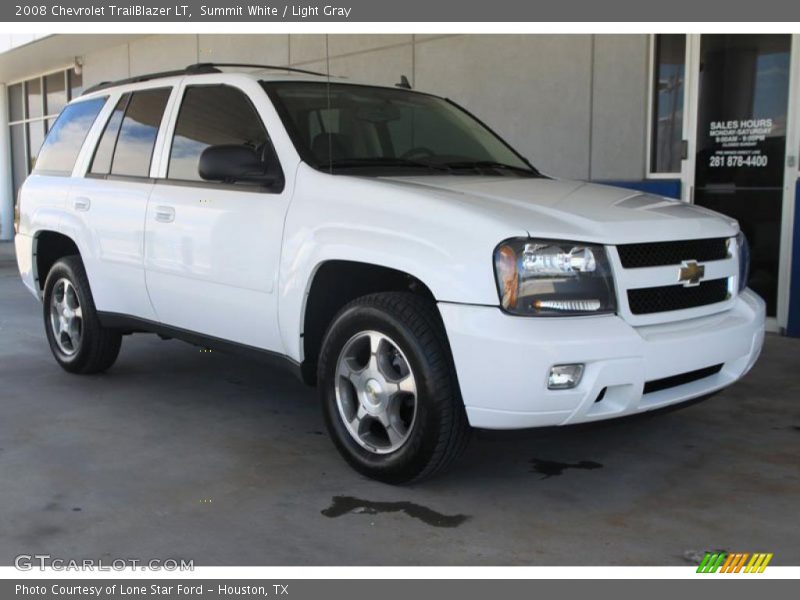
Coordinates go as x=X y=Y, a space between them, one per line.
x=564 y=377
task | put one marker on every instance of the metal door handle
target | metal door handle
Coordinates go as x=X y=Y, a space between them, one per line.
x=165 y=214
x=82 y=203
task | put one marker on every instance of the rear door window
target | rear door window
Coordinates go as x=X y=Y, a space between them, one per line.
x=126 y=146
x=101 y=163
x=63 y=144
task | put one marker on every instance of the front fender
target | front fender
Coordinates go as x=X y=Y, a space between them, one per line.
x=428 y=236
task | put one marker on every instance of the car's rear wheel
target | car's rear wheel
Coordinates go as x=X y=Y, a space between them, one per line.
x=79 y=343
x=388 y=388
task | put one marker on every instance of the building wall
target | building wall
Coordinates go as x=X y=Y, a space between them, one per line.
x=574 y=104
x=9 y=41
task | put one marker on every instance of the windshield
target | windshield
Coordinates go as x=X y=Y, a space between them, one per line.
x=358 y=129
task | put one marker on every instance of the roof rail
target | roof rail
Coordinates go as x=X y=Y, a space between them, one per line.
x=190 y=70
x=254 y=66
x=195 y=69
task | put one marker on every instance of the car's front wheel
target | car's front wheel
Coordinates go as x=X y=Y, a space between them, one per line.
x=389 y=392
x=79 y=343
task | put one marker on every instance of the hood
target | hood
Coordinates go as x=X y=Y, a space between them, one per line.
x=576 y=210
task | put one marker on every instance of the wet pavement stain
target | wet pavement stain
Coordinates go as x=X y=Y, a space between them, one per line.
x=551 y=468
x=347 y=504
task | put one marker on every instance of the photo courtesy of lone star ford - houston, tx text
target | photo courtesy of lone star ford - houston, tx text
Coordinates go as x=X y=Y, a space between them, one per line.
x=398 y=299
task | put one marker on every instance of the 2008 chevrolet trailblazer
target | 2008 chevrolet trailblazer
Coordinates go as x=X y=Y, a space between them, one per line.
x=386 y=245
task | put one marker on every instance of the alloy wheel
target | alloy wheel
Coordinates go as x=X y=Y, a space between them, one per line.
x=66 y=316
x=376 y=392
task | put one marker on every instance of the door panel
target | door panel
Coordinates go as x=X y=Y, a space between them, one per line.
x=113 y=214
x=212 y=267
x=212 y=250
x=741 y=142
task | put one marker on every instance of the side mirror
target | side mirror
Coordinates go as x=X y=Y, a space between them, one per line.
x=232 y=163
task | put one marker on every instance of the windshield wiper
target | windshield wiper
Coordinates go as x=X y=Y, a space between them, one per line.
x=380 y=161
x=489 y=164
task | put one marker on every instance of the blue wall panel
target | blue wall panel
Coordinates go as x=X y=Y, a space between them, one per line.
x=670 y=188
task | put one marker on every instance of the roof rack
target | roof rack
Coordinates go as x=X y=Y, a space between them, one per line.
x=190 y=70
x=255 y=66
x=195 y=69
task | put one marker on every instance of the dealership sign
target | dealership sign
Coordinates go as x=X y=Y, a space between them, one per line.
x=739 y=143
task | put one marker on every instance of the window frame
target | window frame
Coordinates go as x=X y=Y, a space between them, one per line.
x=276 y=188
x=652 y=71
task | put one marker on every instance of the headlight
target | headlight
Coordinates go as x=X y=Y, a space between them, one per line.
x=743 y=252
x=552 y=277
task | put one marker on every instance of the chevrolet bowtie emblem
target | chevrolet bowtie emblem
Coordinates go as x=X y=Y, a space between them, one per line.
x=691 y=273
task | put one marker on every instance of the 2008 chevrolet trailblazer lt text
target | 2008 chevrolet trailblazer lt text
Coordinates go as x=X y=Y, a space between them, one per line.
x=387 y=246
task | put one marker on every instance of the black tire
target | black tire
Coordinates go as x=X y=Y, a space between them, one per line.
x=98 y=346
x=440 y=431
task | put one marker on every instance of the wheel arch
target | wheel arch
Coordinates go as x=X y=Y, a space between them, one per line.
x=335 y=283
x=48 y=247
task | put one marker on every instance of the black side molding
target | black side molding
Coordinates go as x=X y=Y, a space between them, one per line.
x=129 y=324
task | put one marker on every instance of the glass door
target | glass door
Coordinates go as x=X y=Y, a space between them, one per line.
x=742 y=96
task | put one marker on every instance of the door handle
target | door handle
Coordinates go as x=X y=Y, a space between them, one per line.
x=165 y=214
x=82 y=203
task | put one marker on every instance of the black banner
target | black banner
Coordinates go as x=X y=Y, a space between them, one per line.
x=405 y=11
x=334 y=589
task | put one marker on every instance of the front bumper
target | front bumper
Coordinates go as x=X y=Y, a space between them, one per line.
x=503 y=361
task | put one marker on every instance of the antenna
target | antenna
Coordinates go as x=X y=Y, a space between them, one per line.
x=328 y=90
x=403 y=83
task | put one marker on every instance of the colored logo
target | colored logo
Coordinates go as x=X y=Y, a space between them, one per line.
x=734 y=562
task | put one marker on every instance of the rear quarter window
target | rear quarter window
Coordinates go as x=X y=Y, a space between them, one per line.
x=63 y=144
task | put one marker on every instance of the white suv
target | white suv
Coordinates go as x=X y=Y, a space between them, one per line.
x=384 y=244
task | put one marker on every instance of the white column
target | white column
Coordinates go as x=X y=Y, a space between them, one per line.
x=6 y=185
